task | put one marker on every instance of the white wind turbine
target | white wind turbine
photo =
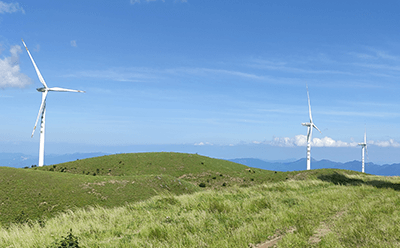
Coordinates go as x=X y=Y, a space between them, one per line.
x=310 y=125
x=42 y=109
x=363 y=147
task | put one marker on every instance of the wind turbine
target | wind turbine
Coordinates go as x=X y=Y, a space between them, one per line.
x=363 y=147
x=310 y=125
x=42 y=109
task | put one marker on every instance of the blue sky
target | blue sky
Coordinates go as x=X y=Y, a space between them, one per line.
x=215 y=74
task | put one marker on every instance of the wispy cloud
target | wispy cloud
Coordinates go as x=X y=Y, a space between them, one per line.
x=141 y=74
x=10 y=75
x=73 y=43
x=285 y=67
x=379 y=66
x=207 y=71
x=377 y=114
x=10 y=8
x=134 y=74
x=380 y=54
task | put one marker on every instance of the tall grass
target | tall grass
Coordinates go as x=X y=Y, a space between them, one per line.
x=358 y=216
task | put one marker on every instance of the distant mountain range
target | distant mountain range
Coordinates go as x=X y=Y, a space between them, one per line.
x=370 y=168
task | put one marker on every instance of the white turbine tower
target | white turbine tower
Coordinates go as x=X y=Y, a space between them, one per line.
x=363 y=147
x=310 y=125
x=42 y=109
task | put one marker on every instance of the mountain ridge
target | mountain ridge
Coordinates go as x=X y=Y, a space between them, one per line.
x=355 y=165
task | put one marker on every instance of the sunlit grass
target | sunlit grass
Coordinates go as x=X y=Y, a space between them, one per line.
x=361 y=215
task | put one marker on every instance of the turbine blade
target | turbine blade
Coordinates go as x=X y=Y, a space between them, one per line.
x=309 y=105
x=64 y=90
x=365 y=136
x=36 y=68
x=316 y=127
x=41 y=109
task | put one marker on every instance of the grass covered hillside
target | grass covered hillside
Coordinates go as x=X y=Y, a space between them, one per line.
x=109 y=181
x=330 y=208
x=188 y=200
x=188 y=167
x=36 y=195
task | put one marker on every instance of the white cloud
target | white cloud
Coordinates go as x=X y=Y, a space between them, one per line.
x=10 y=8
x=388 y=143
x=329 y=142
x=10 y=75
x=203 y=144
x=301 y=140
x=73 y=43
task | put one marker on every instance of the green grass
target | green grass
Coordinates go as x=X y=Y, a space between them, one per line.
x=36 y=195
x=361 y=214
x=154 y=200
x=189 y=167
x=110 y=181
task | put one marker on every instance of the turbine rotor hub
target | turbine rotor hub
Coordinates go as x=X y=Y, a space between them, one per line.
x=42 y=89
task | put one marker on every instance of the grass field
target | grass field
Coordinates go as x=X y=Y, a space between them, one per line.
x=110 y=181
x=317 y=208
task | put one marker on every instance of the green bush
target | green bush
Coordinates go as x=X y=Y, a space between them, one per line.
x=70 y=241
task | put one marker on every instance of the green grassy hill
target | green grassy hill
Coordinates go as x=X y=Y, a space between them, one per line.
x=109 y=181
x=155 y=200
x=318 y=208
x=189 y=167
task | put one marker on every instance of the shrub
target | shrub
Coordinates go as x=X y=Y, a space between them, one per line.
x=70 y=241
x=203 y=185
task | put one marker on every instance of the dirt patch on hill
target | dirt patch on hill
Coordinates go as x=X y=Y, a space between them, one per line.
x=273 y=240
x=323 y=229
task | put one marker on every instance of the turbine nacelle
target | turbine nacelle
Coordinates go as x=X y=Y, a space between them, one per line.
x=42 y=89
